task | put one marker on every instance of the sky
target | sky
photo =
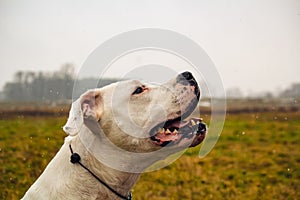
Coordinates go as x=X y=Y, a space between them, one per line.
x=254 y=44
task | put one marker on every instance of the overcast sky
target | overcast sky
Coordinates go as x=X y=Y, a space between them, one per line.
x=255 y=44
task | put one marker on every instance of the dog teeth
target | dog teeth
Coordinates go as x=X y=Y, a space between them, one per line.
x=193 y=122
x=161 y=130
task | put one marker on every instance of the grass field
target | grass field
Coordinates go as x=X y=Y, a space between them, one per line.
x=256 y=157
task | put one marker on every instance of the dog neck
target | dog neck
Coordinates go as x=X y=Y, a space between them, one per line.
x=121 y=182
x=116 y=156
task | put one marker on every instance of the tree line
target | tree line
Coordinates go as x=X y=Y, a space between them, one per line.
x=29 y=86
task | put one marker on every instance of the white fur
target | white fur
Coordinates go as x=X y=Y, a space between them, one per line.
x=126 y=120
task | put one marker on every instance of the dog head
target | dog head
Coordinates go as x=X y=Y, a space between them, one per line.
x=141 y=117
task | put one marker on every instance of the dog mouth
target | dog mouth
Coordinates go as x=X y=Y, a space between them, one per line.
x=178 y=131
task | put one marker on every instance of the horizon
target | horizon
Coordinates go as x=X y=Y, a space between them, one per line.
x=231 y=93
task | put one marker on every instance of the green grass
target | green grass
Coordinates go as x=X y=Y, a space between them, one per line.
x=256 y=157
x=26 y=147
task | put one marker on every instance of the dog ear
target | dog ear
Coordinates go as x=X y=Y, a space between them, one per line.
x=92 y=104
x=88 y=106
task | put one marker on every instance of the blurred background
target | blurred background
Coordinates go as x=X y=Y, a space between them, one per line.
x=254 y=45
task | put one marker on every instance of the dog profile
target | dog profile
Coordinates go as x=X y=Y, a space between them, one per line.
x=118 y=131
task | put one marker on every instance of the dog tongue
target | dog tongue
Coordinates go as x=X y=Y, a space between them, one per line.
x=177 y=125
x=167 y=137
x=172 y=137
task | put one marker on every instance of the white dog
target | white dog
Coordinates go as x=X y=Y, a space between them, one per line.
x=115 y=133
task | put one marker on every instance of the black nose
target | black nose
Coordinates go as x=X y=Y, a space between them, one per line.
x=186 y=78
x=187 y=75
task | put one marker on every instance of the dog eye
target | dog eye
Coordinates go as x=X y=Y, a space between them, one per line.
x=138 y=90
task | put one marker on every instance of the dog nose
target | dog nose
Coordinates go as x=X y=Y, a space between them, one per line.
x=187 y=75
x=187 y=78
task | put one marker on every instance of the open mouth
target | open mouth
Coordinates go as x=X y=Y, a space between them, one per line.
x=174 y=131
x=178 y=131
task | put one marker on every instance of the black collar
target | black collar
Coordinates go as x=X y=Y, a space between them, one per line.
x=75 y=158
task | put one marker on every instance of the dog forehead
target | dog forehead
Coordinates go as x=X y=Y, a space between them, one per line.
x=119 y=90
x=124 y=86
